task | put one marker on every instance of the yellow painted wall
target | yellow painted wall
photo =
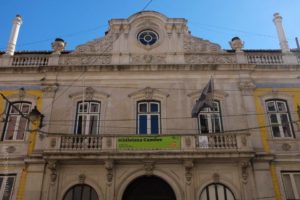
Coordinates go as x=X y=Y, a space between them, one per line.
x=32 y=134
x=264 y=131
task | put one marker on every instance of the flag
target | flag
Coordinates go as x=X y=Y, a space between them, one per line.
x=205 y=99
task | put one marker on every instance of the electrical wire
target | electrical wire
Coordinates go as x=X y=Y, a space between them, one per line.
x=231 y=29
x=136 y=87
x=196 y=131
x=66 y=35
x=146 y=6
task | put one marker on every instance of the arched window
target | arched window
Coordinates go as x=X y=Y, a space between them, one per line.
x=209 y=119
x=216 y=191
x=148 y=117
x=88 y=118
x=81 y=192
x=279 y=118
x=15 y=124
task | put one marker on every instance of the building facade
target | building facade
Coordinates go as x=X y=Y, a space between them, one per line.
x=116 y=117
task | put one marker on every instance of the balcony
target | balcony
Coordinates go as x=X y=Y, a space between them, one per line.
x=138 y=146
x=30 y=60
x=264 y=58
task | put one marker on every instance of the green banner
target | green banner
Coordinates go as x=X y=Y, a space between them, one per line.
x=148 y=142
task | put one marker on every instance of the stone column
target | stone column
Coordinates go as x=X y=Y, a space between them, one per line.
x=280 y=32
x=188 y=170
x=34 y=181
x=110 y=182
x=247 y=87
x=14 y=36
x=53 y=180
x=49 y=92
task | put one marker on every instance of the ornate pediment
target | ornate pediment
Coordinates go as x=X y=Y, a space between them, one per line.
x=198 y=45
x=149 y=93
x=98 y=46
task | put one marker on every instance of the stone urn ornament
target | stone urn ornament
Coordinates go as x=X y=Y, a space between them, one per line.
x=58 y=46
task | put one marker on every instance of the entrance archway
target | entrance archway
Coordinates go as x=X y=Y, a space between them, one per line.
x=149 y=188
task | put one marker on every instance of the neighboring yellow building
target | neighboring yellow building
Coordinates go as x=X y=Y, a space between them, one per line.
x=112 y=119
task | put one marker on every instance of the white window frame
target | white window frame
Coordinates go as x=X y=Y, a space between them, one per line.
x=278 y=114
x=87 y=114
x=296 y=191
x=18 y=116
x=209 y=114
x=148 y=114
x=4 y=182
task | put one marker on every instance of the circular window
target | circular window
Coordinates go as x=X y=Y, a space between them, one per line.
x=147 y=37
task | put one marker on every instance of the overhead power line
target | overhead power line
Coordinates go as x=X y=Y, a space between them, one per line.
x=146 y=6
x=185 y=130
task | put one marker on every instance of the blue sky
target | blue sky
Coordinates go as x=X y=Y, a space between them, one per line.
x=78 y=21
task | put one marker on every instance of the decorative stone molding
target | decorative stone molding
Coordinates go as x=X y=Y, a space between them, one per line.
x=109 y=142
x=244 y=140
x=216 y=177
x=286 y=147
x=49 y=90
x=217 y=94
x=148 y=59
x=22 y=94
x=148 y=93
x=245 y=174
x=52 y=165
x=89 y=93
x=188 y=141
x=101 y=45
x=81 y=178
x=109 y=165
x=196 y=45
x=188 y=165
x=10 y=149
x=209 y=59
x=149 y=167
x=53 y=142
x=78 y=60
x=247 y=87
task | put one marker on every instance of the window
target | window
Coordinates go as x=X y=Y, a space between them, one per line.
x=81 y=192
x=216 y=191
x=16 y=125
x=148 y=114
x=88 y=118
x=279 y=119
x=291 y=184
x=209 y=120
x=6 y=186
x=147 y=37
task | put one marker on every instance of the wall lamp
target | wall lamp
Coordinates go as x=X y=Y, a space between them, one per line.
x=36 y=115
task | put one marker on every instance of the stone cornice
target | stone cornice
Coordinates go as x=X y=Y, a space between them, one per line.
x=152 y=68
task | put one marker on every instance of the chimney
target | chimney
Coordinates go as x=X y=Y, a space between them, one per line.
x=280 y=32
x=14 y=36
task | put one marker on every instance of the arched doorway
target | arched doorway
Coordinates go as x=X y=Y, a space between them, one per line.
x=149 y=188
